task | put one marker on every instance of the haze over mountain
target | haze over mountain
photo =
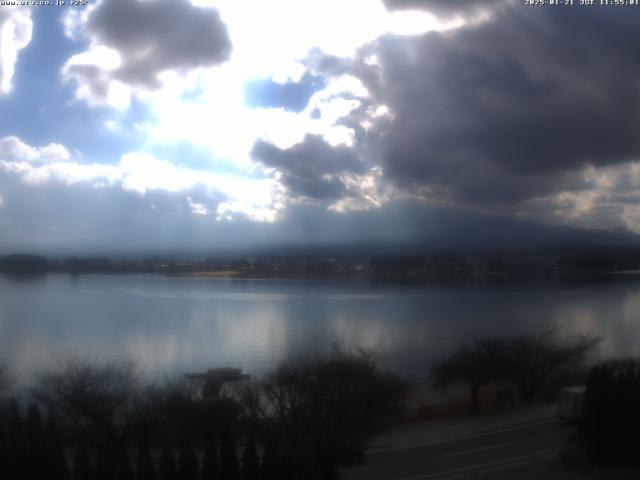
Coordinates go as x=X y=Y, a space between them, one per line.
x=206 y=125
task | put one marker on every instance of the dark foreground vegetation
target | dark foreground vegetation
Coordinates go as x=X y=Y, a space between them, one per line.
x=610 y=426
x=100 y=420
x=104 y=422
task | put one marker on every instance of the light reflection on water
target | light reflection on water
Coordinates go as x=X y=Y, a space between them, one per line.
x=173 y=325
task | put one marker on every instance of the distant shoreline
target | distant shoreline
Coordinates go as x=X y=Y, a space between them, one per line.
x=414 y=269
x=214 y=274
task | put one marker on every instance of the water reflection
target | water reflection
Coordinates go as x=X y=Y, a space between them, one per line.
x=176 y=324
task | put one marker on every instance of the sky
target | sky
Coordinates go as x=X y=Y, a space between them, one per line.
x=212 y=124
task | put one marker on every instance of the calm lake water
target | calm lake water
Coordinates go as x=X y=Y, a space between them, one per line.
x=175 y=325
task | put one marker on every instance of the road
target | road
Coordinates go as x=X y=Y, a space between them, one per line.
x=516 y=447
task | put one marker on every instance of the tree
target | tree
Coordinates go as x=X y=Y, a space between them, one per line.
x=474 y=365
x=57 y=463
x=210 y=470
x=229 y=468
x=17 y=443
x=290 y=468
x=36 y=442
x=188 y=463
x=527 y=361
x=322 y=411
x=250 y=461
x=610 y=421
x=82 y=469
x=270 y=464
x=175 y=408
x=125 y=472
x=145 y=466
x=105 y=468
x=95 y=396
x=167 y=469
x=532 y=359
x=5 y=458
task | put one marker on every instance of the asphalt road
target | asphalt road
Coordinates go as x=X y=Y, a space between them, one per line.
x=489 y=453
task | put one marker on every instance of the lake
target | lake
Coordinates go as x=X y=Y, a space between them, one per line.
x=177 y=325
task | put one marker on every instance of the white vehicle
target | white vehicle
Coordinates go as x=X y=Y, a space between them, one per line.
x=571 y=403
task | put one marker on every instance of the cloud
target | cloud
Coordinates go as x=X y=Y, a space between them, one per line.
x=15 y=34
x=598 y=197
x=63 y=217
x=141 y=173
x=13 y=149
x=144 y=204
x=311 y=168
x=133 y=42
x=444 y=7
x=502 y=116
x=496 y=113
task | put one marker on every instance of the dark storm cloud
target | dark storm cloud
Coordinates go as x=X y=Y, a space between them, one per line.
x=61 y=218
x=500 y=111
x=151 y=37
x=310 y=168
x=443 y=7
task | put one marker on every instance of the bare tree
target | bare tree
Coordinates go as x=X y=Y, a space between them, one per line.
x=96 y=396
x=532 y=359
x=526 y=361
x=324 y=409
x=174 y=407
x=82 y=387
x=474 y=365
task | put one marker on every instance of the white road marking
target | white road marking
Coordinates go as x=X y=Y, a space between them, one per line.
x=464 y=452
